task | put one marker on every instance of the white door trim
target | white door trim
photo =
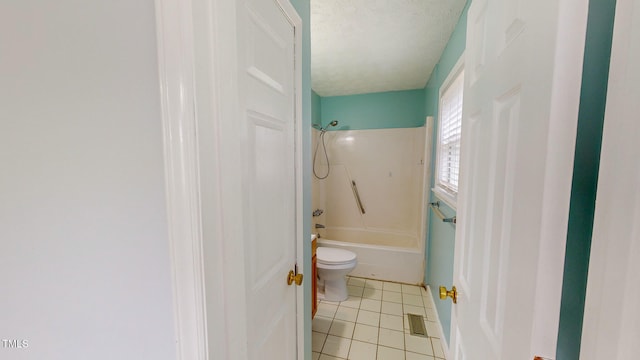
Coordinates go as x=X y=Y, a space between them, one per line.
x=295 y=19
x=175 y=61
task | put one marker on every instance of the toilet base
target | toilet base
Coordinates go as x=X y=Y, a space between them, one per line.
x=336 y=290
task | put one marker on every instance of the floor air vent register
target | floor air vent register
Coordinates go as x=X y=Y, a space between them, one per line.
x=416 y=325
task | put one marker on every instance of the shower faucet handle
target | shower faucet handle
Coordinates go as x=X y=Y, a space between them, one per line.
x=317 y=212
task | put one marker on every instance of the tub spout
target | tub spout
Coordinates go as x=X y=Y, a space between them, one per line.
x=320 y=226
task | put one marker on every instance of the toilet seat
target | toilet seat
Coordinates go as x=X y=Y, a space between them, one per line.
x=333 y=256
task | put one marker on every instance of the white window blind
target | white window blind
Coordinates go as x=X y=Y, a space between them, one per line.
x=450 y=124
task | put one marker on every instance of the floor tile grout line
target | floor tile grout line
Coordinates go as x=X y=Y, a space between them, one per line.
x=430 y=339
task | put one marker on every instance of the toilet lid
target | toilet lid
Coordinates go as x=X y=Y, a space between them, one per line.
x=327 y=255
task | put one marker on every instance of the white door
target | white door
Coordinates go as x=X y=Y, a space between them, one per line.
x=611 y=321
x=267 y=115
x=232 y=114
x=522 y=82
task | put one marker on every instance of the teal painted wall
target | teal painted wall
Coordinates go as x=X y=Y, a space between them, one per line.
x=455 y=47
x=393 y=109
x=439 y=254
x=441 y=236
x=302 y=7
x=585 y=175
x=316 y=109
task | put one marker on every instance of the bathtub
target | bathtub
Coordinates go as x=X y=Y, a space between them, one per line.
x=377 y=259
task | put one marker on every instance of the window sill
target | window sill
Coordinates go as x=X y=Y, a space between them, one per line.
x=446 y=197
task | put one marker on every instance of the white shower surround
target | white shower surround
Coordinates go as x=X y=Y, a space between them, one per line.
x=388 y=166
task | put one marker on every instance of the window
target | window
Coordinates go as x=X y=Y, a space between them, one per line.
x=449 y=130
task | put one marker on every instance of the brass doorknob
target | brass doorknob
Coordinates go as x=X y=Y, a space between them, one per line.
x=293 y=277
x=453 y=294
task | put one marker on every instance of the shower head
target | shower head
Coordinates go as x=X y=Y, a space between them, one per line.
x=323 y=129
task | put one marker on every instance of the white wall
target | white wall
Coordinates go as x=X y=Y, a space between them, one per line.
x=84 y=264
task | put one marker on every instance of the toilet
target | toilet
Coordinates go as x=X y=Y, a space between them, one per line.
x=333 y=266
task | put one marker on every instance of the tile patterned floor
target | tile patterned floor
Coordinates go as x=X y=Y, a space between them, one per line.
x=373 y=324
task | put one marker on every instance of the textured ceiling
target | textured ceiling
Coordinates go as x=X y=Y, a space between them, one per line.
x=365 y=46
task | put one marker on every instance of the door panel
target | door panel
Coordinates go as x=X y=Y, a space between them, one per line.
x=267 y=110
x=512 y=96
x=498 y=216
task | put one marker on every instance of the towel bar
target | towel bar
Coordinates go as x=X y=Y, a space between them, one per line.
x=435 y=206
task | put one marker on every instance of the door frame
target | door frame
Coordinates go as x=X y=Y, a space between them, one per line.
x=197 y=72
x=175 y=66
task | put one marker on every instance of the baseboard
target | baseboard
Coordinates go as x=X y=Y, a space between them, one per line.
x=443 y=342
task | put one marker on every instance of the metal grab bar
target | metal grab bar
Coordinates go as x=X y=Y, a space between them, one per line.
x=435 y=206
x=357 y=196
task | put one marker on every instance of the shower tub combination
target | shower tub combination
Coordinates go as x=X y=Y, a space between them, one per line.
x=372 y=192
x=378 y=261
